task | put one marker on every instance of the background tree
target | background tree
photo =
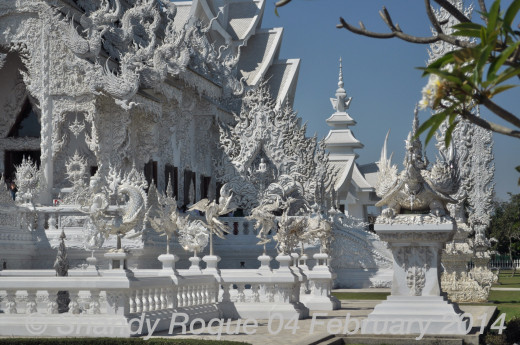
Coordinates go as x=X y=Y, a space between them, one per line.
x=505 y=226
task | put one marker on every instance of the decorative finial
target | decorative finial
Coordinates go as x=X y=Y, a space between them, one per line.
x=340 y=82
x=415 y=125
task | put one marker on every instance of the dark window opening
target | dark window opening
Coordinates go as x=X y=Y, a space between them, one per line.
x=150 y=173
x=14 y=158
x=26 y=124
x=204 y=186
x=217 y=191
x=93 y=170
x=342 y=208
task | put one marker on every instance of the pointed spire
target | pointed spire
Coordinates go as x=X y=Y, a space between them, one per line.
x=340 y=82
x=341 y=94
x=415 y=125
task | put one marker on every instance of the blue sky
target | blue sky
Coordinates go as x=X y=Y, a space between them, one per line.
x=379 y=75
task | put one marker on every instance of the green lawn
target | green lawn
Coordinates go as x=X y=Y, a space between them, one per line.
x=506 y=301
x=110 y=341
x=505 y=280
x=361 y=295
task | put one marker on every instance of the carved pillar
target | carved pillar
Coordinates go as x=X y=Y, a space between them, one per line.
x=416 y=243
x=46 y=116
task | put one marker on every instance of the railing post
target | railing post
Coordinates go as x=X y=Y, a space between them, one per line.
x=31 y=306
x=11 y=302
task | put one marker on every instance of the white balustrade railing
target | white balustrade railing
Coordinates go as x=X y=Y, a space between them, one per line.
x=251 y=286
x=104 y=295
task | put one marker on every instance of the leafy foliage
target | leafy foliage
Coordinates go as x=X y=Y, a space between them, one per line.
x=472 y=75
x=505 y=224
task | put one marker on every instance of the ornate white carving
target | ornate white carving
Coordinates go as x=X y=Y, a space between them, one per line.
x=470 y=154
x=416 y=189
x=28 y=181
x=76 y=127
x=124 y=220
x=267 y=147
x=163 y=214
x=194 y=236
x=212 y=211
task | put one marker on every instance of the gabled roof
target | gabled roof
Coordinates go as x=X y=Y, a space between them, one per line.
x=243 y=18
x=360 y=181
x=344 y=170
x=342 y=137
x=257 y=56
x=282 y=77
x=239 y=23
x=342 y=119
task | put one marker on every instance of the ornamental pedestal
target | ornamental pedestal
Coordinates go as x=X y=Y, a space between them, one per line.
x=416 y=305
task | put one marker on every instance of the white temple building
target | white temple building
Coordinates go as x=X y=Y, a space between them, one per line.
x=354 y=184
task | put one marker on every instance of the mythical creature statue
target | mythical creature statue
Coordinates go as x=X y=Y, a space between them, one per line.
x=320 y=229
x=265 y=221
x=291 y=230
x=212 y=211
x=165 y=217
x=416 y=189
x=120 y=220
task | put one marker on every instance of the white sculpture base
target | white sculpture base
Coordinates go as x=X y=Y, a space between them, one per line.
x=321 y=278
x=414 y=315
x=211 y=264
x=117 y=264
x=168 y=264
x=416 y=305
x=265 y=262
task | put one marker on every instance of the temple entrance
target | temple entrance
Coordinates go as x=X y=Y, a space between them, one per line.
x=14 y=158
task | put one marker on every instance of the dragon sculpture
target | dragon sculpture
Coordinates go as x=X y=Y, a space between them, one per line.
x=416 y=189
x=142 y=40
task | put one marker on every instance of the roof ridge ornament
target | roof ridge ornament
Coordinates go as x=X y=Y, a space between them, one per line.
x=342 y=102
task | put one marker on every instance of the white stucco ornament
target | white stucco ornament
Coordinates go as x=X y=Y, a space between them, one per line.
x=415 y=189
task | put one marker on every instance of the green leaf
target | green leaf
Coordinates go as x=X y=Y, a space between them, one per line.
x=464 y=55
x=483 y=35
x=511 y=13
x=482 y=60
x=444 y=74
x=500 y=89
x=441 y=61
x=496 y=64
x=466 y=33
x=506 y=74
x=433 y=124
x=493 y=17
x=449 y=132
x=467 y=26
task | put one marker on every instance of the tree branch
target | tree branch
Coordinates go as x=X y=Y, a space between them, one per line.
x=483 y=9
x=499 y=111
x=489 y=125
x=281 y=3
x=453 y=11
x=431 y=16
x=399 y=34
